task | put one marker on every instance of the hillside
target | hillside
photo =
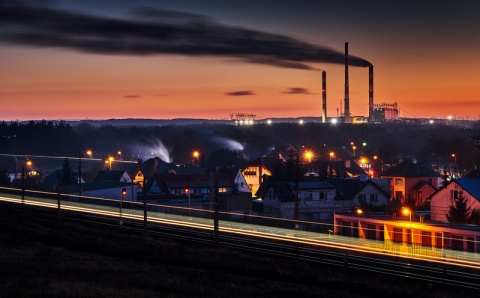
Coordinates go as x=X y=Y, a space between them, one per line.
x=41 y=257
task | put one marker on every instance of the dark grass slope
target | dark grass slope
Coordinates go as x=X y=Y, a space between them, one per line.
x=40 y=257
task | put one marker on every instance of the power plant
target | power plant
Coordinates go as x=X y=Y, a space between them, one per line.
x=377 y=113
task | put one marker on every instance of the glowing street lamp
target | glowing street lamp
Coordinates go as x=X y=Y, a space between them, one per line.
x=109 y=162
x=332 y=155
x=359 y=211
x=89 y=153
x=195 y=155
x=406 y=212
x=308 y=156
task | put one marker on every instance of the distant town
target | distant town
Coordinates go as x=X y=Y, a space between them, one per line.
x=352 y=175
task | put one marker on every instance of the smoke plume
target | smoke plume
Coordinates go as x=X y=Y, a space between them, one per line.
x=153 y=32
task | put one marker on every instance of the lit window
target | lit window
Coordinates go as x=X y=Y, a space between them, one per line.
x=398 y=181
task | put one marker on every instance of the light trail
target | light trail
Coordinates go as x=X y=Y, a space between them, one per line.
x=235 y=228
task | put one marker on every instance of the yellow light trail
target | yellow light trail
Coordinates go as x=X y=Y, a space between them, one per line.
x=258 y=231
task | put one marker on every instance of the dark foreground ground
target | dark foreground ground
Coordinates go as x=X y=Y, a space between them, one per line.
x=41 y=257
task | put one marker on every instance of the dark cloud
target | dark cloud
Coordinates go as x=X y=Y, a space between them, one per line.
x=240 y=93
x=132 y=96
x=153 y=32
x=297 y=90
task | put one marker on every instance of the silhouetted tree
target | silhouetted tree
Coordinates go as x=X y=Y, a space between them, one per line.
x=459 y=212
x=66 y=176
x=474 y=217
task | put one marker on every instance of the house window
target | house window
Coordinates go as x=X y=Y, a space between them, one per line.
x=250 y=172
x=361 y=198
x=398 y=181
x=373 y=197
x=322 y=196
x=222 y=189
x=453 y=194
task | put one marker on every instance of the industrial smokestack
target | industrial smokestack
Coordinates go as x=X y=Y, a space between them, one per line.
x=324 y=96
x=370 y=93
x=347 y=99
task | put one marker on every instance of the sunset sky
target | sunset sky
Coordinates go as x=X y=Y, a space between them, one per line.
x=102 y=59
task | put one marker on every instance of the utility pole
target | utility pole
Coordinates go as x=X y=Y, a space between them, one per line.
x=79 y=173
x=144 y=193
x=23 y=188
x=58 y=196
x=297 y=173
x=215 y=217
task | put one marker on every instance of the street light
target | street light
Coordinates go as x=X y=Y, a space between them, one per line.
x=110 y=159
x=332 y=155
x=406 y=212
x=187 y=192
x=308 y=156
x=89 y=153
x=195 y=155
x=124 y=193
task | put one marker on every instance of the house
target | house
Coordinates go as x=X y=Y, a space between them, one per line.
x=313 y=199
x=112 y=176
x=235 y=176
x=443 y=198
x=362 y=191
x=335 y=168
x=406 y=178
x=319 y=199
x=197 y=191
x=255 y=171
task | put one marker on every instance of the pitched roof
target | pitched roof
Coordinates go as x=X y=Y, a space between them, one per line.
x=409 y=168
x=109 y=176
x=346 y=189
x=342 y=168
x=193 y=181
x=231 y=174
x=268 y=162
x=421 y=184
x=470 y=185
x=189 y=171
x=285 y=191
x=304 y=185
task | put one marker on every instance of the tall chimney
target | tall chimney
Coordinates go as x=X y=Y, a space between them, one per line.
x=347 y=99
x=324 y=96
x=370 y=93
